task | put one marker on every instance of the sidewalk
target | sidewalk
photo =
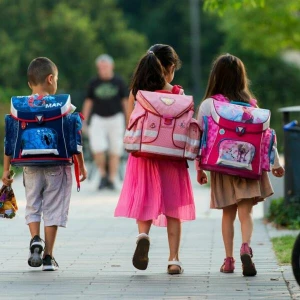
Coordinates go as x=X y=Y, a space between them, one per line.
x=95 y=251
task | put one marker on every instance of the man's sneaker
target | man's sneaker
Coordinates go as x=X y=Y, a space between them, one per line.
x=49 y=263
x=111 y=185
x=246 y=258
x=35 y=252
x=103 y=183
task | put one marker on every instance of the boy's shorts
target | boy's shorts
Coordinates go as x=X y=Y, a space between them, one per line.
x=106 y=134
x=48 y=193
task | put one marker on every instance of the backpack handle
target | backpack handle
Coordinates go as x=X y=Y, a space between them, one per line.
x=241 y=103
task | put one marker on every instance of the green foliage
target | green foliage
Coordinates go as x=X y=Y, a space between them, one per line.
x=285 y=215
x=266 y=30
x=220 y=6
x=169 y=23
x=71 y=33
x=283 y=248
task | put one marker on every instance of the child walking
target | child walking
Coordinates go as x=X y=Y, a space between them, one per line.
x=47 y=188
x=233 y=194
x=156 y=191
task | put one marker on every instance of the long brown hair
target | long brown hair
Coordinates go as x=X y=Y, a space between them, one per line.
x=228 y=77
x=150 y=72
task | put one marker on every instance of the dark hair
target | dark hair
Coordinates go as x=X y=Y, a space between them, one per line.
x=150 y=72
x=229 y=78
x=39 y=69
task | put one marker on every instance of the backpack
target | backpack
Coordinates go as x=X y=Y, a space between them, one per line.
x=161 y=126
x=237 y=139
x=41 y=130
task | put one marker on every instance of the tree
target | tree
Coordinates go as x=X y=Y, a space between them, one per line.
x=71 y=33
x=266 y=29
x=221 y=5
x=168 y=22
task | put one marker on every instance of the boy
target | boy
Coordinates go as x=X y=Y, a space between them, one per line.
x=48 y=189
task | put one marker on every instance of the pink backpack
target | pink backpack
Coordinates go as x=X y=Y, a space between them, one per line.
x=237 y=139
x=161 y=126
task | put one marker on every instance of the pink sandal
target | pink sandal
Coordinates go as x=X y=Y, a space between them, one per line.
x=228 y=265
x=246 y=258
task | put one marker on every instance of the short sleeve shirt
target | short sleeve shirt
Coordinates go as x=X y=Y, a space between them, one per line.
x=107 y=96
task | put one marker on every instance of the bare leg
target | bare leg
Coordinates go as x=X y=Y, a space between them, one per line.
x=34 y=228
x=50 y=236
x=144 y=226
x=114 y=161
x=174 y=235
x=229 y=215
x=100 y=160
x=245 y=216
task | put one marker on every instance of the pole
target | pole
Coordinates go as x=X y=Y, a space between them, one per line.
x=195 y=47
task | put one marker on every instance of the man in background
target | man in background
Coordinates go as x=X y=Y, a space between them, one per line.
x=105 y=106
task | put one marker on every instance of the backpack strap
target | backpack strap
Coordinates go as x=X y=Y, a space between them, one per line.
x=253 y=102
x=77 y=172
x=177 y=89
x=221 y=98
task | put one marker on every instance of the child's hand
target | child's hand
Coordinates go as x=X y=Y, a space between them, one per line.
x=201 y=177
x=83 y=173
x=279 y=172
x=6 y=178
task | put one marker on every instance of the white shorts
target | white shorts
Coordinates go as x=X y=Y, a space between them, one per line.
x=48 y=194
x=106 y=134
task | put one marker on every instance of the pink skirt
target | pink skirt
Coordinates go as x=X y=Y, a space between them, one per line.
x=154 y=189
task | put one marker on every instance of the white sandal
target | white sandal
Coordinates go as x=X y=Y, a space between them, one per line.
x=175 y=262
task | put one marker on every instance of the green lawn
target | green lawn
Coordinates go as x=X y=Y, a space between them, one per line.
x=283 y=248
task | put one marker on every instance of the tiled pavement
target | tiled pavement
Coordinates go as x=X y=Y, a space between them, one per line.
x=94 y=254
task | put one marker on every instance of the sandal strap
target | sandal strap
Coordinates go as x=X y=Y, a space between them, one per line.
x=142 y=236
x=175 y=263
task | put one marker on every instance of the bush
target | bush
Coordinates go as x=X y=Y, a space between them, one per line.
x=285 y=215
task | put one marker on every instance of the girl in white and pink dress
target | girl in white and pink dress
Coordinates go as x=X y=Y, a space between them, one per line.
x=156 y=191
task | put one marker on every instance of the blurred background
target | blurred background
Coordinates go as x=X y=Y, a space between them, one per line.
x=265 y=34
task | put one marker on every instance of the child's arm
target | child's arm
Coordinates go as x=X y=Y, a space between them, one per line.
x=277 y=169
x=6 y=174
x=204 y=110
x=82 y=168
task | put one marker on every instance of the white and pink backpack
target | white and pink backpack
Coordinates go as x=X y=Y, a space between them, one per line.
x=161 y=126
x=237 y=139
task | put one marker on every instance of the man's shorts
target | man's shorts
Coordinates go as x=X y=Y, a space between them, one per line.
x=48 y=194
x=106 y=134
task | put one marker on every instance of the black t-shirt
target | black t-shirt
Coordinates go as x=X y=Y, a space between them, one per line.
x=107 y=96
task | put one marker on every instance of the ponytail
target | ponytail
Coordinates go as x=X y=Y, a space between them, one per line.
x=149 y=74
x=153 y=67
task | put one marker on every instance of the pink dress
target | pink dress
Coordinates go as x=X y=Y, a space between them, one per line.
x=154 y=189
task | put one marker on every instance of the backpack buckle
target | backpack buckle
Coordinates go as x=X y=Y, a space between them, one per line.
x=39 y=119
x=240 y=130
x=168 y=120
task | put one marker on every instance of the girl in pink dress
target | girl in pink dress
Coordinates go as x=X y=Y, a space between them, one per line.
x=156 y=191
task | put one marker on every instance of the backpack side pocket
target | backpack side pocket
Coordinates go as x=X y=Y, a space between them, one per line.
x=192 y=145
x=72 y=130
x=11 y=129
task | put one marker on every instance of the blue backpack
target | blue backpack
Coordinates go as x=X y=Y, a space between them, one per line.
x=42 y=130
